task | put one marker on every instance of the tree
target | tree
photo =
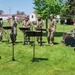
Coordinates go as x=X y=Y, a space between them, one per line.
x=69 y=12
x=47 y=7
x=1 y=11
x=20 y=13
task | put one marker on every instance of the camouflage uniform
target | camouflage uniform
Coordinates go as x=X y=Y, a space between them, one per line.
x=26 y=23
x=1 y=24
x=38 y=24
x=51 y=30
x=13 y=32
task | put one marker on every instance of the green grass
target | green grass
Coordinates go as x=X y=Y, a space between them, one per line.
x=61 y=59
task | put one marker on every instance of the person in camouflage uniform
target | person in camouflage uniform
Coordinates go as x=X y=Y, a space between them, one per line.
x=38 y=24
x=1 y=24
x=13 y=31
x=51 y=29
x=26 y=23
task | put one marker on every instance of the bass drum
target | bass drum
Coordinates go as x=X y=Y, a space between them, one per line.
x=70 y=41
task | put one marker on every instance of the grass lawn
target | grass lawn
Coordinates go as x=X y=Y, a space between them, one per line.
x=61 y=59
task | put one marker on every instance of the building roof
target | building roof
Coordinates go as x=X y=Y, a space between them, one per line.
x=20 y=16
x=7 y=15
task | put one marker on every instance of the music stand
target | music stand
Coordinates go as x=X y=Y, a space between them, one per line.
x=41 y=29
x=7 y=28
x=12 y=28
x=24 y=29
x=33 y=34
x=13 y=43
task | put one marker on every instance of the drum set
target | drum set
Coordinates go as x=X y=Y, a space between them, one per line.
x=69 y=38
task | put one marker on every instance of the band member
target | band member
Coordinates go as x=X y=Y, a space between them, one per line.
x=13 y=32
x=1 y=24
x=38 y=24
x=26 y=23
x=51 y=29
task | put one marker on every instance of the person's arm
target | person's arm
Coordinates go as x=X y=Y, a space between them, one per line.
x=35 y=24
x=28 y=24
x=42 y=24
x=54 y=21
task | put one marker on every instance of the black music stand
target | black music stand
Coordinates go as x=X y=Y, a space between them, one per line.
x=13 y=43
x=12 y=28
x=41 y=29
x=33 y=34
x=7 y=28
x=24 y=29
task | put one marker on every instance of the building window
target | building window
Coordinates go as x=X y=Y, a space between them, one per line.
x=32 y=16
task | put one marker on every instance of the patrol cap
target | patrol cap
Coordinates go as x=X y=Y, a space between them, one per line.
x=51 y=15
x=26 y=16
x=13 y=15
x=39 y=16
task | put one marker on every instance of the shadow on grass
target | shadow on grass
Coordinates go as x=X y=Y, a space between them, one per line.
x=11 y=42
x=58 y=34
x=18 y=42
x=4 y=41
x=39 y=59
x=55 y=43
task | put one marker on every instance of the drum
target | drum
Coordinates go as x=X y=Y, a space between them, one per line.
x=70 y=41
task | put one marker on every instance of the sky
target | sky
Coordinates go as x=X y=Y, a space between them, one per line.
x=11 y=6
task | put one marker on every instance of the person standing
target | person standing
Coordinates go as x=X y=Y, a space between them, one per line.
x=13 y=32
x=26 y=24
x=38 y=24
x=1 y=25
x=51 y=29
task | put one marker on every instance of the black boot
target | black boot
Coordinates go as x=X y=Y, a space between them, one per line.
x=48 y=39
